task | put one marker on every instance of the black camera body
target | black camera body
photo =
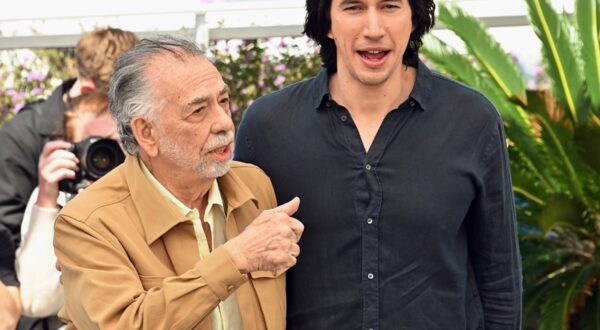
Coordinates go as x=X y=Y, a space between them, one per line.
x=97 y=156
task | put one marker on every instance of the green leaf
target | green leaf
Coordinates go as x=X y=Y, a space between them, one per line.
x=558 y=139
x=590 y=316
x=561 y=210
x=588 y=24
x=568 y=288
x=587 y=141
x=562 y=65
x=486 y=49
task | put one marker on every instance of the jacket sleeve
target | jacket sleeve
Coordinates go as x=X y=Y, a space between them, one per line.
x=21 y=146
x=104 y=291
x=493 y=244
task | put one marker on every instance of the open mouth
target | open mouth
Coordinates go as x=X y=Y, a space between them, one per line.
x=220 y=150
x=373 y=55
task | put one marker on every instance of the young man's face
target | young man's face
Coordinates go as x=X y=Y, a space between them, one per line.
x=371 y=37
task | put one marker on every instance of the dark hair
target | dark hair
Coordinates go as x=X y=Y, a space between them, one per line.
x=318 y=24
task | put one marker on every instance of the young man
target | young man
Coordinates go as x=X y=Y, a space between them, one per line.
x=178 y=237
x=23 y=139
x=404 y=179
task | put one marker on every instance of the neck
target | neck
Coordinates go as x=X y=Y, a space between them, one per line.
x=186 y=187
x=363 y=99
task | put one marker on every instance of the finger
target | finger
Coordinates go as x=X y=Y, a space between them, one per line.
x=288 y=208
x=294 y=250
x=297 y=227
x=49 y=147
x=59 y=175
x=63 y=154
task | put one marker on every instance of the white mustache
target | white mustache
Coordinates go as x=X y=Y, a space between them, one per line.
x=220 y=140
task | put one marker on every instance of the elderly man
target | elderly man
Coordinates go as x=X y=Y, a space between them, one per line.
x=177 y=237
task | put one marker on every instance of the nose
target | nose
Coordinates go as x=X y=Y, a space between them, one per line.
x=222 y=121
x=373 y=28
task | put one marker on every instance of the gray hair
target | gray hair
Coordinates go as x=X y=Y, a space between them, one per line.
x=130 y=93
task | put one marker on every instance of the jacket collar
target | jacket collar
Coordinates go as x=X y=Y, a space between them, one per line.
x=158 y=215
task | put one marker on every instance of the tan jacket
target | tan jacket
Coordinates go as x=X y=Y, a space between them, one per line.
x=130 y=260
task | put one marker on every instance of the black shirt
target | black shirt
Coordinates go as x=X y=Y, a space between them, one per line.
x=417 y=233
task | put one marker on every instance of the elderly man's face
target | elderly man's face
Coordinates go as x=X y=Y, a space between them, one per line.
x=195 y=130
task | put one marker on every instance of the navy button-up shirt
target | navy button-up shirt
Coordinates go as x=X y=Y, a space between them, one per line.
x=417 y=233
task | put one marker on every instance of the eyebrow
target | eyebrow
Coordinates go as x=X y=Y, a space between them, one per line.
x=203 y=99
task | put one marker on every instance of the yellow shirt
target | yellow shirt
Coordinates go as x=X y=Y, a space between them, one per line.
x=226 y=316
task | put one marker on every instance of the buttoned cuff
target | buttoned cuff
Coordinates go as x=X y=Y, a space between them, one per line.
x=220 y=273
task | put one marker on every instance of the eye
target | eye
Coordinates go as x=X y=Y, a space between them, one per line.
x=198 y=110
x=390 y=7
x=351 y=9
x=224 y=100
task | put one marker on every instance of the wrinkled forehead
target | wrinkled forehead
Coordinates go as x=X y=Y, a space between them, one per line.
x=179 y=82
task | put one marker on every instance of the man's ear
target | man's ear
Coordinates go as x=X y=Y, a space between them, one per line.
x=145 y=134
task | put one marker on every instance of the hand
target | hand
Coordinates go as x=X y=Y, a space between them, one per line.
x=10 y=307
x=55 y=164
x=270 y=242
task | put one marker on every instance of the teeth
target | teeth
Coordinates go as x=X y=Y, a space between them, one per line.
x=374 y=51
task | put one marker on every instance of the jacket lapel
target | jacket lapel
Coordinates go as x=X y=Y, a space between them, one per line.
x=161 y=221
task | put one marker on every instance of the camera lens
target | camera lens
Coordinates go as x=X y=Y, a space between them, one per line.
x=102 y=159
x=102 y=156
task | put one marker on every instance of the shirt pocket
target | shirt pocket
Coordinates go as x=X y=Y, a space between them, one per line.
x=149 y=282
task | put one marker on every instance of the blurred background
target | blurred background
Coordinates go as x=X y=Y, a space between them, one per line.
x=538 y=61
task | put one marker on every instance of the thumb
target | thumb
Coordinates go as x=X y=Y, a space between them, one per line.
x=290 y=207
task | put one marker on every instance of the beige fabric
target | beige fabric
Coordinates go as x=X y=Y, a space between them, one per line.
x=130 y=259
x=226 y=316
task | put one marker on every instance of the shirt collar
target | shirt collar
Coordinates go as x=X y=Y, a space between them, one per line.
x=159 y=215
x=420 y=93
x=214 y=195
x=321 y=88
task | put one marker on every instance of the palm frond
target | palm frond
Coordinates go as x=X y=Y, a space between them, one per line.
x=562 y=65
x=487 y=50
x=569 y=286
x=588 y=25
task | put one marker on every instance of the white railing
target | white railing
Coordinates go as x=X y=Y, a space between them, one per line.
x=192 y=18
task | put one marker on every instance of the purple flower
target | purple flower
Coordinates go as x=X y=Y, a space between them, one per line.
x=19 y=106
x=261 y=83
x=531 y=84
x=37 y=91
x=264 y=59
x=35 y=76
x=10 y=92
x=537 y=70
x=234 y=107
x=280 y=67
x=279 y=80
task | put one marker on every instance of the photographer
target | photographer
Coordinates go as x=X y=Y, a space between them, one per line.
x=41 y=291
x=24 y=136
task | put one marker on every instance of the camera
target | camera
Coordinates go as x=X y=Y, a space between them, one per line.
x=97 y=156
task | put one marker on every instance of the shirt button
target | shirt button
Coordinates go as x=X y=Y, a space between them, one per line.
x=370 y=276
x=328 y=104
x=344 y=118
x=368 y=167
x=369 y=221
x=412 y=104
